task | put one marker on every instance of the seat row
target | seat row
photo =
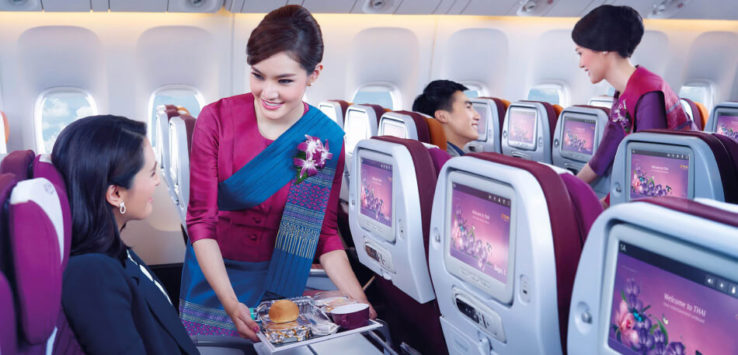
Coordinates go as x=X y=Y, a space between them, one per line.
x=485 y=249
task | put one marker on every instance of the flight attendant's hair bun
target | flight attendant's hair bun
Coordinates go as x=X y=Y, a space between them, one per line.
x=610 y=28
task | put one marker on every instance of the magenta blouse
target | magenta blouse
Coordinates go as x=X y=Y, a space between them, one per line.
x=226 y=137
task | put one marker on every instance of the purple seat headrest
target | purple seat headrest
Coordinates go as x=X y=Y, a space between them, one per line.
x=44 y=168
x=586 y=204
x=18 y=162
x=440 y=157
x=694 y=208
x=7 y=326
x=36 y=232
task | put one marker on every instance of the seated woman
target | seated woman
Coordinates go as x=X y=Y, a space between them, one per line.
x=446 y=102
x=113 y=302
x=605 y=39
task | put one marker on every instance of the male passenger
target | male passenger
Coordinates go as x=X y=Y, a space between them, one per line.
x=446 y=102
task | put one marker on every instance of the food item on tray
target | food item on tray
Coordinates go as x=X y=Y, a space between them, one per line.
x=351 y=316
x=283 y=311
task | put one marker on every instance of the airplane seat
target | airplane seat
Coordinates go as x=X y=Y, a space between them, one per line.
x=7 y=329
x=687 y=164
x=18 y=163
x=528 y=130
x=180 y=142
x=390 y=203
x=506 y=235
x=439 y=157
x=437 y=135
x=650 y=282
x=37 y=251
x=42 y=167
x=4 y=134
x=404 y=124
x=335 y=110
x=492 y=116
x=605 y=101
x=724 y=120
x=703 y=113
x=578 y=132
x=694 y=112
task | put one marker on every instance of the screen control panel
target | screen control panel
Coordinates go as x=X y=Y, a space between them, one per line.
x=486 y=319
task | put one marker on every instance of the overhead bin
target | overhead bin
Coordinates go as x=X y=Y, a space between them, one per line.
x=112 y=5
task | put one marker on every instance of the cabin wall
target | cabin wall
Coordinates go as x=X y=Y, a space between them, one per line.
x=122 y=58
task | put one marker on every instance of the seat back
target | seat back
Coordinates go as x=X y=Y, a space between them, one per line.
x=604 y=101
x=335 y=109
x=406 y=125
x=180 y=142
x=695 y=111
x=686 y=164
x=42 y=167
x=389 y=214
x=36 y=235
x=362 y=122
x=7 y=328
x=576 y=138
x=491 y=119
x=528 y=130
x=4 y=133
x=503 y=263
x=658 y=274
x=724 y=120
x=18 y=163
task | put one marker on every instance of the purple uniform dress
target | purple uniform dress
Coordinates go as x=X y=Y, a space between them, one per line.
x=650 y=115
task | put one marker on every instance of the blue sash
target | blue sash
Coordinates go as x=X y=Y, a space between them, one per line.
x=299 y=230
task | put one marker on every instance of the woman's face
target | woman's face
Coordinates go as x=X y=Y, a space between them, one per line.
x=593 y=62
x=278 y=84
x=139 y=197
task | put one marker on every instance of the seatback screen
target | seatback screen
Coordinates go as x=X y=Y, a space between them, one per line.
x=579 y=135
x=357 y=128
x=663 y=306
x=522 y=127
x=480 y=230
x=394 y=128
x=376 y=191
x=655 y=174
x=483 y=111
x=727 y=125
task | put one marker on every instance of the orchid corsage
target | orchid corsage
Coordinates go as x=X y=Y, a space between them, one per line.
x=311 y=157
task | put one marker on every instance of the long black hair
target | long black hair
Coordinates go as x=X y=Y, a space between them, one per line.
x=91 y=154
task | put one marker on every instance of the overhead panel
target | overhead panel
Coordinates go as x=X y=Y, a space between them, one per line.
x=536 y=7
x=20 y=5
x=99 y=5
x=139 y=5
x=333 y=6
x=491 y=8
x=566 y=8
x=66 y=5
x=455 y=8
x=234 y=5
x=194 y=5
x=259 y=6
x=418 y=7
x=376 y=6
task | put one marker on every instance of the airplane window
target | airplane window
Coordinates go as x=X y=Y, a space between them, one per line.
x=57 y=108
x=183 y=96
x=471 y=93
x=554 y=94
x=382 y=95
x=474 y=89
x=698 y=92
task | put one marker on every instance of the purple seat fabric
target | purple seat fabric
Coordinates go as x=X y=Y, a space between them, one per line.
x=42 y=167
x=694 y=208
x=18 y=163
x=7 y=326
x=416 y=324
x=586 y=204
x=439 y=157
x=565 y=227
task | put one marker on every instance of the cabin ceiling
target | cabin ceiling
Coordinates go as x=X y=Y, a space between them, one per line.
x=677 y=9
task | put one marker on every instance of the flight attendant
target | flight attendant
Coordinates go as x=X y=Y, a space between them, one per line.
x=605 y=39
x=265 y=173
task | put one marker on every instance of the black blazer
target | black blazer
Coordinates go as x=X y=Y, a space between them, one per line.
x=114 y=309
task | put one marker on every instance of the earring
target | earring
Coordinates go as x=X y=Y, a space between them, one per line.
x=122 y=208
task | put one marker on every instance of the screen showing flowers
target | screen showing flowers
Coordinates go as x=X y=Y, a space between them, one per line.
x=655 y=174
x=579 y=136
x=376 y=191
x=684 y=310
